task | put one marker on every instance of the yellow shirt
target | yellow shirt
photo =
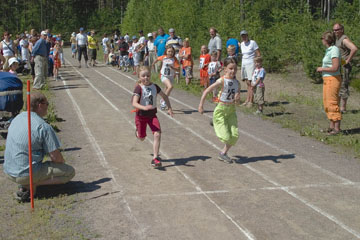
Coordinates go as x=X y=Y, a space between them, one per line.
x=92 y=42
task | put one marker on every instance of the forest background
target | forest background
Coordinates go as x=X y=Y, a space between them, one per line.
x=287 y=31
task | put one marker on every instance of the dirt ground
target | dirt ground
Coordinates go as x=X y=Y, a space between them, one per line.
x=280 y=186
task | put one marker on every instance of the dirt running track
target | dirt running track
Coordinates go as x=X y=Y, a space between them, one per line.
x=282 y=186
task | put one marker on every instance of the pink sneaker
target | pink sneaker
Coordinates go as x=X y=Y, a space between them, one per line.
x=156 y=163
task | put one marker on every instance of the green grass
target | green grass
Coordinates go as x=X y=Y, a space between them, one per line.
x=355 y=83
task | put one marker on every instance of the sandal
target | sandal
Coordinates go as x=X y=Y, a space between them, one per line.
x=327 y=130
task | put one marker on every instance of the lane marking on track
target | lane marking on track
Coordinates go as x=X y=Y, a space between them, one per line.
x=245 y=231
x=267 y=178
x=100 y=153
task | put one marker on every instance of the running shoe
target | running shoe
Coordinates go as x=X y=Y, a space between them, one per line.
x=225 y=158
x=156 y=162
x=162 y=104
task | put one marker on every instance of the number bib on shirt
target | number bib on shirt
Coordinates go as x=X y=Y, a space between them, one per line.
x=166 y=70
x=148 y=95
x=230 y=88
x=213 y=67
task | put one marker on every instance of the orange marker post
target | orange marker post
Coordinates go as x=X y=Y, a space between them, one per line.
x=30 y=150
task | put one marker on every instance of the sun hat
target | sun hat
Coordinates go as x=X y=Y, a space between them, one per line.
x=13 y=60
x=44 y=33
x=149 y=35
x=171 y=30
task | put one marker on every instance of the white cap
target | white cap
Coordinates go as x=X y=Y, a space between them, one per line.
x=13 y=60
x=44 y=33
x=149 y=35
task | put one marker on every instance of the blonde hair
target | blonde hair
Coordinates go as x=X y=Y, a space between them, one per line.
x=231 y=48
x=206 y=49
x=142 y=69
x=258 y=59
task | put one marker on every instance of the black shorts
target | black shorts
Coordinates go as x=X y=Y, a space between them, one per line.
x=142 y=54
x=92 y=54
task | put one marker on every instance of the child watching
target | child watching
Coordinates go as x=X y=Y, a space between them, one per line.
x=144 y=99
x=231 y=51
x=13 y=64
x=187 y=61
x=204 y=62
x=257 y=83
x=214 y=70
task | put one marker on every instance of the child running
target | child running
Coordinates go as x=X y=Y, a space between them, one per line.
x=170 y=65
x=144 y=99
x=257 y=83
x=224 y=117
x=214 y=70
x=204 y=62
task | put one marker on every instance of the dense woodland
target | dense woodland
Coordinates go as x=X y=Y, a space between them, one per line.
x=287 y=31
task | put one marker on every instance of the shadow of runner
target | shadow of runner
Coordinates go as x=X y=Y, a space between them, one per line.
x=351 y=131
x=69 y=188
x=275 y=159
x=188 y=111
x=182 y=161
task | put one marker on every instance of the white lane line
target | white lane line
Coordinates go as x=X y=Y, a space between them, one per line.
x=325 y=171
x=100 y=154
x=245 y=231
x=268 y=179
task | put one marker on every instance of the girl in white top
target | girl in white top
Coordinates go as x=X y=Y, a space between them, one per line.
x=169 y=66
x=224 y=117
x=105 y=44
x=249 y=50
x=9 y=49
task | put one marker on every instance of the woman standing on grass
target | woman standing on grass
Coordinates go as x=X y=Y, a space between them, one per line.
x=332 y=81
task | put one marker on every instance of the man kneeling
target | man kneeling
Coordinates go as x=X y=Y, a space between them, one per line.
x=43 y=141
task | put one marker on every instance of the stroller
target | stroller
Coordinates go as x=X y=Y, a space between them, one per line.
x=11 y=98
x=21 y=68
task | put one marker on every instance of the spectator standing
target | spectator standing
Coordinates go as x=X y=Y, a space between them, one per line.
x=187 y=62
x=348 y=51
x=235 y=42
x=93 y=47
x=330 y=71
x=160 y=43
x=215 y=43
x=249 y=50
x=123 y=54
x=127 y=38
x=82 y=42
x=43 y=141
x=142 y=47
x=151 y=51
x=73 y=45
x=106 y=45
x=25 y=55
x=8 y=48
x=39 y=55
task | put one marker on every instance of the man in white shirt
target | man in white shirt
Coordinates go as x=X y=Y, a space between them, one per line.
x=81 y=43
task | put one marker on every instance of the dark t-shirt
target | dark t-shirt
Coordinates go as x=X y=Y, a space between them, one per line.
x=149 y=113
x=123 y=48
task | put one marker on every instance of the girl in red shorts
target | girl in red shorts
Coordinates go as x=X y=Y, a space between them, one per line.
x=144 y=100
x=57 y=62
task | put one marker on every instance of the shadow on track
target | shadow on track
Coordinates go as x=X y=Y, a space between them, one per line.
x=275 y=159
x=182 y=161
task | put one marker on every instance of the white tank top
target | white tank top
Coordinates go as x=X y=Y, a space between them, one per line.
x=6 y=48
x=148 y=95
x=229 y=89
x=166 y=70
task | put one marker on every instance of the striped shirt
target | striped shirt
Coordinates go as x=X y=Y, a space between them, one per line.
x=43 y=141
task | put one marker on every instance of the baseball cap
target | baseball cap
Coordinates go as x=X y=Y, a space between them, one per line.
x=171 y=30
x=134 y=37
x=149 y=35
x=140 y=31
x=13 y=60
x=81 y=29
x=44 y=33
x=121 y=38
x=243 y=32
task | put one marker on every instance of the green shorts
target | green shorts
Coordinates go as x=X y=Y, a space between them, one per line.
x=226 y=124
x=48 y=170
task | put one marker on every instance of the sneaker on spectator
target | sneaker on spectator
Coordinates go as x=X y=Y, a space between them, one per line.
x=225 y=158
x=156 y=162
x=23 y=195
x=258 y=112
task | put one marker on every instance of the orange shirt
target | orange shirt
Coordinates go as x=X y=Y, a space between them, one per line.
x=186 y=61
x=204 y=59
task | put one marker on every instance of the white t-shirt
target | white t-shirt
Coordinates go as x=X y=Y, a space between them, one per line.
x=150 y=46
x=248 y=51
x=81 y=39
x=104 y=41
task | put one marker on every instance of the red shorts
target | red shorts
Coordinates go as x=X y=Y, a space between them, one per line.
x=142 y=121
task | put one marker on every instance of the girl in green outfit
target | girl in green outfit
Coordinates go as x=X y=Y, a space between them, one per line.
x=224 y=118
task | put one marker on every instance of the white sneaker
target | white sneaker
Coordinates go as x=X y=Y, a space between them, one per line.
x=162 y=104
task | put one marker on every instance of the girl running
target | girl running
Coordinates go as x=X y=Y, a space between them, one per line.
x=170 y=65
x=144 y=100
x=224 y=118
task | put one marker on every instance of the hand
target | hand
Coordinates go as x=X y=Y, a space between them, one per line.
x=170 y=112
x=319 y=69
x=148 y=107
x=201 y=109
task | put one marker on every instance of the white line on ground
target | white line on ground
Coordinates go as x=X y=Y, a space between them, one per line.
x=100 y=153
x=256 y=138
x=245 y=231
x=267 y=178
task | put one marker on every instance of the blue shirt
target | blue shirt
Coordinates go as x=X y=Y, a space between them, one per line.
x=43 y=141
x=235 y=42
x=40 y=48
x=330 y=53
x=160 y=43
